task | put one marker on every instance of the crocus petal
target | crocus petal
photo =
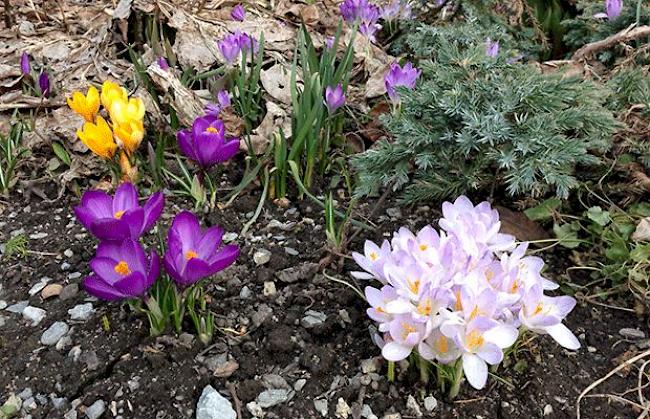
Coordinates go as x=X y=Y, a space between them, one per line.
x=186 y=228
x=134 y=220
x=563 y=336
x=98 y=203
x=85 y=216
x=152 y=210
x=210 y=242
x=154 y=268
x=475 y=370
x=133 y=285
x=195 y=270
x=502 y=336
x=110 y=229
x=104 y=268
x=490 y=353
x=224 y=258
x=393 y=351
x=126 y=197
x=186 y=144
x=98 y=288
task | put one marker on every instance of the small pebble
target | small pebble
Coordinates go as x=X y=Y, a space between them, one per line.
x=81 y=311
x=55 y=332
x=548 y=410
x=343 y=410
x=299 y=384
x=34 y=314
x=312 y=318
x=269 y=288
x=18 y=307
x=96 y=410
x=430 y=403
x=321 y=406
x=51 y=290
x=261 y=257
x=245 y=292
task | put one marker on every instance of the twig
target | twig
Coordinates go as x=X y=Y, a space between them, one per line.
x=8 y=19
x=233 y=392
x=628 y=34
x=603 y=379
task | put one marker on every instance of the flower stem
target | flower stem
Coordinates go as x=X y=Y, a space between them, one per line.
x=423 y=364
x=391 y=371
x=458 y=379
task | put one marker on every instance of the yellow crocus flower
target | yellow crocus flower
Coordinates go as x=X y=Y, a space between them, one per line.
x=86 y=106
x=123 y=112
x=130 y=134
x=112 y=92
x=98 y=138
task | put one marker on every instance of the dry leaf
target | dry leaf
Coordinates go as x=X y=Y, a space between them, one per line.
x=277 y=82
x=275 y=118
x=642 y=232
x=310 y=15
x=186 y=103
x=520 y=226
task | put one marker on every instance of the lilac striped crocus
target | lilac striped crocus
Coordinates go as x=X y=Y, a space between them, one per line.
x=334 y=98
x=44 y=84
x=120 y=217
x=491 y=48
x=162 y=63
x=400 y=76
x=25 y=67
x=229 y=48
x=206 y=142
x=193 y=254
x=121 y=270
x=238 y=13
x=613 y=8
x=223 y=102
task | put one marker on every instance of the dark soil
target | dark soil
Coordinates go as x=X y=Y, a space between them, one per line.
x=141 y=377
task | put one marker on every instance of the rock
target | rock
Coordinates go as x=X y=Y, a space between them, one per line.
x=297 y=273
x=34 y=315
x=55 y=332
x=75 y=353
x=269 y=289
x=396 y=416
x=263 y=312
x=272 y=381
x=63 y=343
x=81 y=311
x=413 y=406
x=313 y=318
x=38 y=236
x=366 y=412
x=90 y=359
x=69 y=291
x=96 y=410
x=255 y=409
x=37 y=287
x=230 y=237
x=245 y=293
x=3 y=304
x=321 y=406
x=26 y=393
x=370 y=365
x=65 y=266
x=272 y=397
x=51 y=290
x=630 y=333
x=11 y=406
x=291 y=251
x=57 y=402
x=18 y=307
x=548 y=410
x=29 y=404
x=394 y=212
x=68 y=253
x=261 y=257
x=345 y=316
x=212 y=405
x=71 y=414
x=299 y=384
x=2 y=321
x=430 y=403
x=343 y=410
x=222 y=365
x=74 y=275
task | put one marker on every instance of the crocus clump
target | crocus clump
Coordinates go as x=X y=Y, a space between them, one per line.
x=364 y=13
x=121 y=270
x=120 y=217
x=462 y=295
x=238 y=13
x=206 y=142
x=223 y=102
x=193 y=254
x=405 y=76
x=232 y=45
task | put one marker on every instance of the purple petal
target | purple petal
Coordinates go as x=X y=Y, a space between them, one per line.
x=195 y=270
x=110 y=229
x=99 y=203
x=152 y=210
x=224 y=258
x=104 y=268
x=186 y=144
x=98 y=288
x=126 y=197
x=134 y=219
x=186 y=229
x=154 y=268
x=133 y=285
x=210 y=242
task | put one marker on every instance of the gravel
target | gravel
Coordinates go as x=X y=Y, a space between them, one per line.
x=34 y=314
x=81 y=311
x=95 y=410
x=55 y=332
x=213 y=405
x=313 y=318
x=270 y=398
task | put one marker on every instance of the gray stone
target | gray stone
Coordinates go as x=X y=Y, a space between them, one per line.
x=38 y=236
x=548 y=410
x=269 y=398
x=26 y=393
x=213 y=405
x=430 y=403
x=298 y=273
x=65 y=266
x=413 y=406
x=34 y=315
x=69 y=291
x=634 y=334
x=366 y=412
x=37 y=287
x=343 y=409
x=321 y=406
x=261 y=257
x=68 y=253
x=29 y=404
x=269 y=289
x=74 y=275
x=75 y=353
x=3 y=304
x=394 y=212
x=63 y=343
x=81 y=311
x=71 y=414
x=90 y=359
x=275 y=381
x=2 y=320
x=291 y=251
x=255 y=409
x=299 y=384
x=95 y=410
x=18 y=307
x=370 y=365
x=229 y=237
x=313 y=318
x=55 y=332
x=57 y=402
x=245 y=293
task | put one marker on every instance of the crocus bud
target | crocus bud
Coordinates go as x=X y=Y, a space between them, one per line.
x=25 y=68
x=334 y=98
x=238 y=13
x=224 y=99
x=162 y=63
x=44 y=84
x=491 y=48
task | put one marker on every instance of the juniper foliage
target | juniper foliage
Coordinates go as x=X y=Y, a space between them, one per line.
x=475 y=122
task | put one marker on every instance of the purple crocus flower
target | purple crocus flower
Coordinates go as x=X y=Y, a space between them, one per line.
x=391 y=11
x=229 y=48
x=369 y=30
x=120 y=217
x=353 y=10
x=206 y=142
x=44 y=83
x=329 y=42
x=246 y=42
x=238 y=13
x=193 y=254
x=25 y=67
x=121 y=270
x=491 y=48
x=334 y=98
x=400 y=76
x=162 y=63
x=223 y=97
x=613 y=8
